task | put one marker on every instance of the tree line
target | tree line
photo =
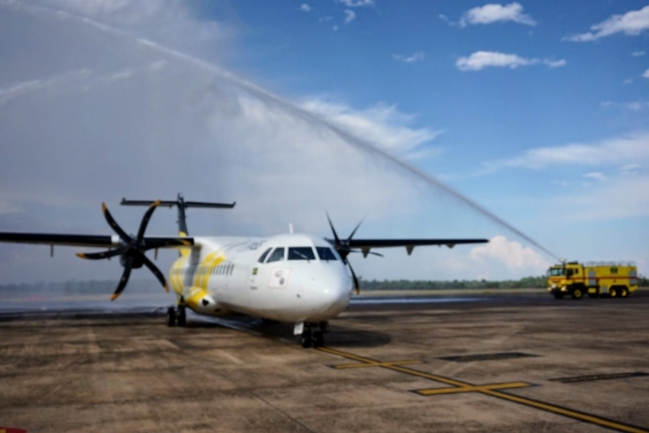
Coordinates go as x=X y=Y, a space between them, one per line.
x=524 y=283
x=146 y=286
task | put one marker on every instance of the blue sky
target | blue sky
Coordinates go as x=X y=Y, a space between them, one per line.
x=537 y=111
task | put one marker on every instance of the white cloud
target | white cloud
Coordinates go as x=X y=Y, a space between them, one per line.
x=335 y=28
x=554 y=63
x=446 y=19
x=416 y=57
x=638 y=53
x=492 y=13
x=356 y=3
x=632 y=106
x=350 y=16
x=637 y=105
x=485 y=59
x=630 y=167
x=381 y=124
x=645 y=74
x=512 y=254
x=305 y=7
x=628 y=81
x=121 y=75
x=631 y=24
x=597 y=175
x=613 y=151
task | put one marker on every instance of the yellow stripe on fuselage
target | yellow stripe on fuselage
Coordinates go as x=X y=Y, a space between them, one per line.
x=203 y=273
x=177 y=275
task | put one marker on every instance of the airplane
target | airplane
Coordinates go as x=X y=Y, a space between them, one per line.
x=300 y=279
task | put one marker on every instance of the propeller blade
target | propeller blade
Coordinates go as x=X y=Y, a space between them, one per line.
x=111 y=222
x=153 y=268
x=145 y=219
x=102 y=255
x=356 y=285
x=128 y=265
x=354 y=232
x=333 y=230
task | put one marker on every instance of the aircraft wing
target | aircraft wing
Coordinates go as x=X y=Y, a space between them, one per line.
x=96 y=241
x=366 y=244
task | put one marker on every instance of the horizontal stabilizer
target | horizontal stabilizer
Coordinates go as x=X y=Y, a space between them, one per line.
x=183 y=203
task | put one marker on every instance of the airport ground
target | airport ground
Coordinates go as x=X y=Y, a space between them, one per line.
x=483 y=362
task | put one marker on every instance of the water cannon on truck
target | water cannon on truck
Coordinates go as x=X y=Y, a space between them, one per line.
x=595 y=279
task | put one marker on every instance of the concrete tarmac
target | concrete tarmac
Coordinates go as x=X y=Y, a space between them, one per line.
x=477 y=363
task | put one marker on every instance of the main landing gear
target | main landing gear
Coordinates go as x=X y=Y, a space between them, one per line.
x=313 y=334
x=177 y=316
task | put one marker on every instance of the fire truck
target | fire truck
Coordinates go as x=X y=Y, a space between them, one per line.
x=595 y=279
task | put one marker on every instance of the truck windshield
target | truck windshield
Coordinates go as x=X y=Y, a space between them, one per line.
x=555 y=272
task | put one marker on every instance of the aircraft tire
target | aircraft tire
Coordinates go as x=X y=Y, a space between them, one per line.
x=181 y=316
x=318 y=339
x=307 y=336
x=171 y=316
x=306 y=340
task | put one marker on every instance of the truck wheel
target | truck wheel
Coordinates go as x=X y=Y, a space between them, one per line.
x=612 y=292
x=577 y=293
x=624 y=292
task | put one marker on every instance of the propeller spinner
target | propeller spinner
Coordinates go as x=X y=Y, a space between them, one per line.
x=131 y=250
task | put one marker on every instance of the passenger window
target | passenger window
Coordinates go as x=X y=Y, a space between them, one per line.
x=325 y=253
x=301 y=253
x=276 y=256
x=263 y=256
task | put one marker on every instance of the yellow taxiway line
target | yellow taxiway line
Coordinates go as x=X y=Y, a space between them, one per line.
x=493 y=390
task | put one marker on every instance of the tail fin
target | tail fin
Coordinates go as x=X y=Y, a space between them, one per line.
x=181 y=205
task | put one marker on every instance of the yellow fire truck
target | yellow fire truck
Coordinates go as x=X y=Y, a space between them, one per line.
x=613 y=279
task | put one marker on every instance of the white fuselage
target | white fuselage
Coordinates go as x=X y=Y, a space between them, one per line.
x=288 y=278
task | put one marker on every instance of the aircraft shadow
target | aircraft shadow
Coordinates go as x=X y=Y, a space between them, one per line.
x=338 y=336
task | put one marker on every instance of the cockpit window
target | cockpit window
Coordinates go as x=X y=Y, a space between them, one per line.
x=277 y=255
x=301 y=253
x=263 y=256
x=325 y=253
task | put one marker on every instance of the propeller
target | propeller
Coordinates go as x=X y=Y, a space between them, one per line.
x=343 y=249
x=131 y=250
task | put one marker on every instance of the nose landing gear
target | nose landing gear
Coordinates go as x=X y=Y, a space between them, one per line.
x=313 y=334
